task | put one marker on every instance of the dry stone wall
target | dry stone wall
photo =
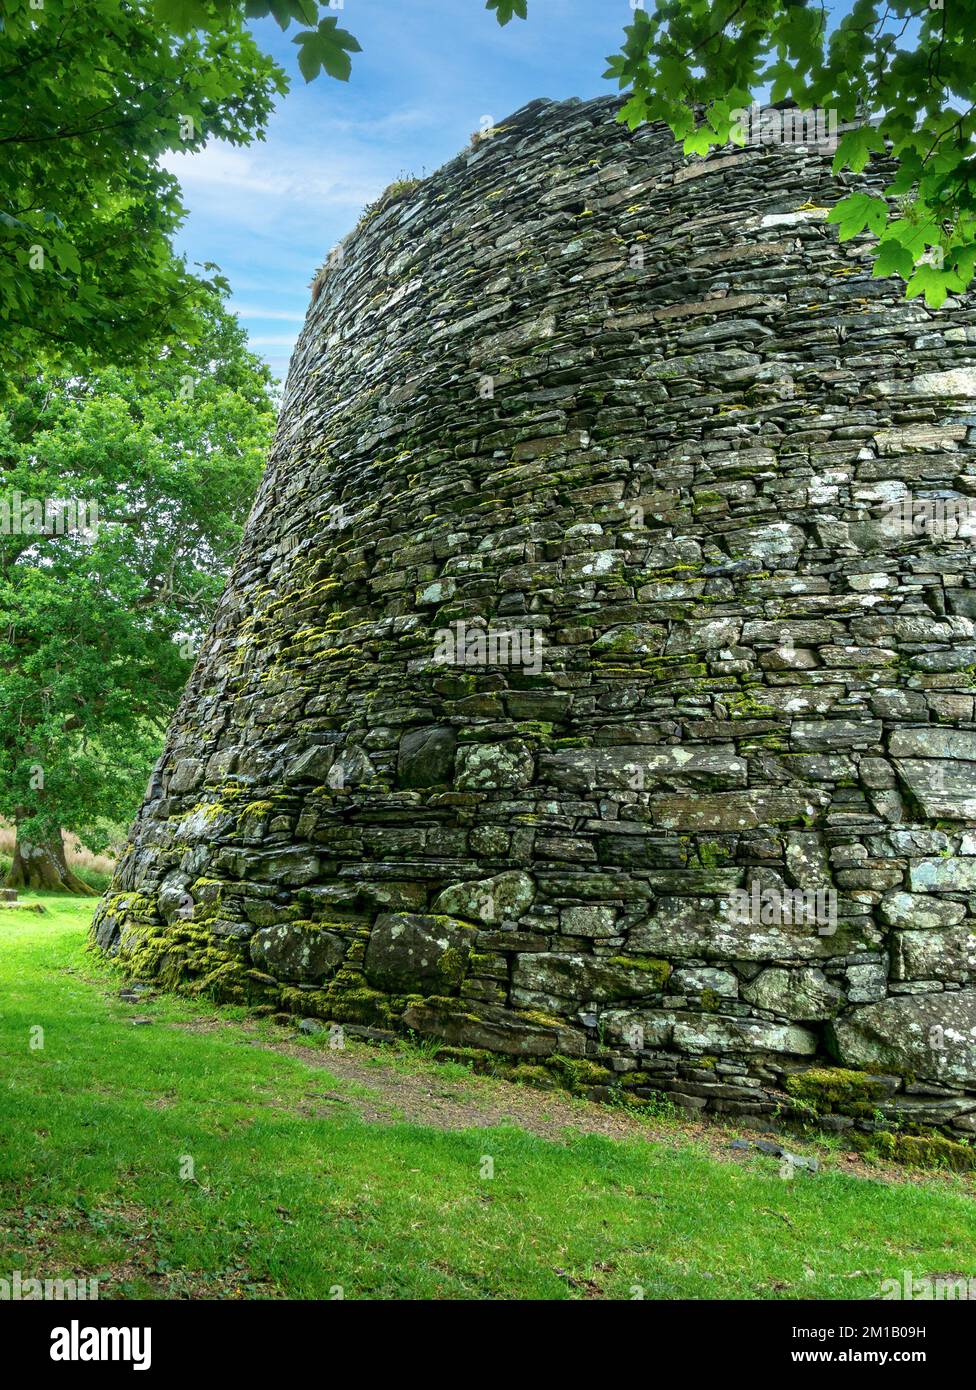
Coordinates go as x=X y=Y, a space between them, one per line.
x=608 y=603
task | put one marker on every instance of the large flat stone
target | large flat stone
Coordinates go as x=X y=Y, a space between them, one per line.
x=830 y=734
x=630 y=640
x=745 y=810
x=933 y=741
x=426 y=757
x=702 y=927
x=494 y=766
x=949 y=875
x=700 y=635
x=932 y=1036
x=297 y=951
x=915 y=911
x=501 y=1030
x=637 y=767
x=642 y=1029
x=935 y=955
x=585 y=979
x=944 y=789
x=777 y=546
x=503 y=898
x=294 y=867
x=803 y=995
x=418 y=953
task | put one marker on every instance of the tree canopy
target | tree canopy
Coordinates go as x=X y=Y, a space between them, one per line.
x=91 y=96
x=121 y=510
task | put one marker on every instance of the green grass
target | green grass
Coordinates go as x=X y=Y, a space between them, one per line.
x=294 y=1195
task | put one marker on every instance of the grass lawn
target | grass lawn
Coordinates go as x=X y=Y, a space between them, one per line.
x=300 y=1187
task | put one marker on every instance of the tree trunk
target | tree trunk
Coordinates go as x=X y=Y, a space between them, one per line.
x=43 y=868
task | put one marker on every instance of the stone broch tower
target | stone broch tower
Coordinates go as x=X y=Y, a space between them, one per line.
x=579 y=596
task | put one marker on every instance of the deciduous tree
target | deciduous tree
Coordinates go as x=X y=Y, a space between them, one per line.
x=121 y=507
x=91 y=96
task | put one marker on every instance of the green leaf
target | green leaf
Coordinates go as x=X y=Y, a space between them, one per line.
x=506 y=9
x=326 y=47
x=854 y=148
x=964 y=259
x=719 y=120
x=933 y=283
x=893 y=259
x=698 y=142
x=909 y=170
x=913 y=233
x=634 y=110
x=181 y=15
x=857 y=211
x=66 y=256
x=282 y=12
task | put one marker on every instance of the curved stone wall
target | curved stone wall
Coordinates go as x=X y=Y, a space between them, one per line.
x=595 y=685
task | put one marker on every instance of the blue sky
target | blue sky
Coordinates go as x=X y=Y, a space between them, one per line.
x=430 y=70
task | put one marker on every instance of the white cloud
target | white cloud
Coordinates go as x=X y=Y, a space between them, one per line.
x=255 y=311
x=397 y=121
x=272 y=340
x=280 y=181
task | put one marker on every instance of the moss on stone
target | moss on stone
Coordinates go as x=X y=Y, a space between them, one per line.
x=362 y=1005
x=529 y=1074
x=578 y=1073
x=540 y=1017
x=830 y=1088
x=746 y=705
x=453 y=966
x=917 y=1151
x=658 y=970
x=539 y=729
x=479 y=1059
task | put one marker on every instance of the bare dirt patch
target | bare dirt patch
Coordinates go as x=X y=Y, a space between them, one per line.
x=401 y=1093
x=406 y=1090
x=397 y=1084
